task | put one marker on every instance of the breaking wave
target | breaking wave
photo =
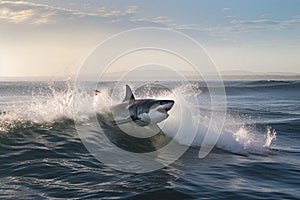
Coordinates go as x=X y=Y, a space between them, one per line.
x=55 y=105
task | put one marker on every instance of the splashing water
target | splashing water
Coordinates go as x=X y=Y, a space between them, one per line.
x=271 y=135
x=58 y=104
x=40 y=108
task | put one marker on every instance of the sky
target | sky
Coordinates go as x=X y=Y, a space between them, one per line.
x=54 y=37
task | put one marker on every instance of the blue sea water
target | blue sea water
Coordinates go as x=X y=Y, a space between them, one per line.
x=257 y=156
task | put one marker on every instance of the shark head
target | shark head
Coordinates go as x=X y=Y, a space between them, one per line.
x=159 y=111
x=152 y=111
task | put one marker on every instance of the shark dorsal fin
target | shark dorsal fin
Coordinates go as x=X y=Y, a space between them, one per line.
x=129 y=95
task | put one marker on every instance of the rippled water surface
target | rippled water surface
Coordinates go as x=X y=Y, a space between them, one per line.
x=42 y=155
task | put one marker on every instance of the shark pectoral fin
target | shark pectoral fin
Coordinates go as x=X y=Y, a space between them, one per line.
x=120 y=122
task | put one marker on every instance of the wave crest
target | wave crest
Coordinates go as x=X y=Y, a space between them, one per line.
x=57 y=105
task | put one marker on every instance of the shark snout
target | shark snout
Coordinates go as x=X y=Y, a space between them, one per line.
x=165 y=106
x=168 y=104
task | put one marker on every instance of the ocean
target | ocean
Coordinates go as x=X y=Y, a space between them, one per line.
x=44 y=154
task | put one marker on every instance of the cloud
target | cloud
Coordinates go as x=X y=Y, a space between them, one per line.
x=30 y=13
x=132 y=10
x=25 y=12
x=18 y=12
x=255 y=22
x=226 y=9
x=160 y=21
x=264 y=24
x=34 y=13
x=231 y=16
x=224 y=31
x=15 y=16
x=103 y=11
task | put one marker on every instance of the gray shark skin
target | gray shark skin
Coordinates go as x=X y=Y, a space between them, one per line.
x=143 y=112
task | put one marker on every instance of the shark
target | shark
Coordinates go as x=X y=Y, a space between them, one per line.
x=142 y=112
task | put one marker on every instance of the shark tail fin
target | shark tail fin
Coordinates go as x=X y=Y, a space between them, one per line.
x=129 y=95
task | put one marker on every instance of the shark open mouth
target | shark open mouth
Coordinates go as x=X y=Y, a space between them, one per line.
x=165 y=109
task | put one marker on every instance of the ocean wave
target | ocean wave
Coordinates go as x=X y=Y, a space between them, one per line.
x=271 y=84
x=55 y=108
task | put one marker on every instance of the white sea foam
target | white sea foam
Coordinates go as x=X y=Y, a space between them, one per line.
x=185 y=114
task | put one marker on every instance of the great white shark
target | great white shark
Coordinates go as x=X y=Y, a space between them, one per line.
x=143 y=112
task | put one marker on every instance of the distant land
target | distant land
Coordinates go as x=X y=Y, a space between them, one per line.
x=153 y=75
x=247 y=75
